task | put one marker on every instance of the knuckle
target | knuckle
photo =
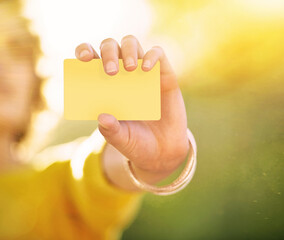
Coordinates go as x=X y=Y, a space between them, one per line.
x=85 y=45
x=82 y=46
x=106 y=41
x=128 y=40
x=128 y=37
x=159 y=50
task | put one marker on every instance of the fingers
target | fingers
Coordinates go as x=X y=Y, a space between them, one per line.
x=131 y=50
x=168 y=77
x=85 y=52
x=110 y=52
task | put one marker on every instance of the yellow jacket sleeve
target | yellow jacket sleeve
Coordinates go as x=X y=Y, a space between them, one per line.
x=66 y=199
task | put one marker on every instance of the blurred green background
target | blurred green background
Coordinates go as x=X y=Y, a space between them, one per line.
x=229 y=57
x=237 y=191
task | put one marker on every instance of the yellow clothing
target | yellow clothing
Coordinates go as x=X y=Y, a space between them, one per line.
x=45 y=201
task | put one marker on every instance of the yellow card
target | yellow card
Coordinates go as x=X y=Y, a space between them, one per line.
x=89 y=91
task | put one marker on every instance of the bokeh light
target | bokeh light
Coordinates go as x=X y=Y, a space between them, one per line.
x=229 y=57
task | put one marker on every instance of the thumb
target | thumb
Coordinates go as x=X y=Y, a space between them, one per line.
x=115 y=132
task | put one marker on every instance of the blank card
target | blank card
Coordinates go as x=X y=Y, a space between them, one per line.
x=89 y=91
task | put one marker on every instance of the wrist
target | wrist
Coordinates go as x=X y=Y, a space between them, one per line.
x=114 y=170
x=116 y=174
x=178 y=184
x=154 y=176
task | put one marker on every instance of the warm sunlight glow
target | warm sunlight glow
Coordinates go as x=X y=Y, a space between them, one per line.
x=265 y=7
x=65 y=24
x=92 y=144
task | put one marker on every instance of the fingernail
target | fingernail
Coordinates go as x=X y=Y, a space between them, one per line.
x=147 y=64
x=101 y=123
x=111 y=67
x=84 y=53
x=104 y=126
x=129 y=62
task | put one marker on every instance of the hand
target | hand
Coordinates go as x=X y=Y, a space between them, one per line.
x=154 y=146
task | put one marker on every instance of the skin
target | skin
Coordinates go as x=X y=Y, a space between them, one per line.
x=156 y=148
x=165 y=141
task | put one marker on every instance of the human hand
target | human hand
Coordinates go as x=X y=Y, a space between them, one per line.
x=153 y=146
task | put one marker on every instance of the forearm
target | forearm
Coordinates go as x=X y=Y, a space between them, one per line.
x=116 y=173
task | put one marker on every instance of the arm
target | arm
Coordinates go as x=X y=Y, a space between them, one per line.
x=117 y=175
x=114 y=170
x=156 y=148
